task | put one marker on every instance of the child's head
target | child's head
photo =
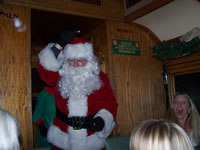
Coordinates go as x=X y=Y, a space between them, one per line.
x=9 y=131
x=159 y=135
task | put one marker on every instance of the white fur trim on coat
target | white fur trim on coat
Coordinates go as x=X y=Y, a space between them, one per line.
x=78 y=51
x=67 y=141
x=109 y=123
x=48 y=59
x=58 y=138
x=94 y=142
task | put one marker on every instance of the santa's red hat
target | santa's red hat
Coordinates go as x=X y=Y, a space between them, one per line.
x=79 y=48
x=77 y=40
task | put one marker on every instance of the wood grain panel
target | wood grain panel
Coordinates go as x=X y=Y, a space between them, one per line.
x=183 y=65
x=138 y=81
x=99 y=44
x=183 y=59
x=185 y=68
x=15 y=81
x=171 y=87
x=110 y=9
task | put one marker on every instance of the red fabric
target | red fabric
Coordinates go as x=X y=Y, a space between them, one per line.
x=103 y=98
x=186 y=129
x=55 y=148
x=38 y=123
x=77 y=40
x=100 y=99
x=49 y=90
x=50 y=77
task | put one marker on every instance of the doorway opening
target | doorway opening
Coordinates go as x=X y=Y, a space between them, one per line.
x=46 y=28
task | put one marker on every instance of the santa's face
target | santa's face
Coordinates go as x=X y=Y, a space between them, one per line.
x=181 y=107
x=79 y=76
x=77 y=62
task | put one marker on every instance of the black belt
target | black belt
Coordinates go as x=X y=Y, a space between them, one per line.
x=76 y=122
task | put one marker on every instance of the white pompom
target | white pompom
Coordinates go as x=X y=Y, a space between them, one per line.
x=17 y=22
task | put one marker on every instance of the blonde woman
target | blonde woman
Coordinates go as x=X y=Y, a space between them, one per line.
x=159 y=135
x=187 y=116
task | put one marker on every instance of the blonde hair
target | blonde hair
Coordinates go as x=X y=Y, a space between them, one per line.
x=159 y=135
x=9 y=131
x=193 y=118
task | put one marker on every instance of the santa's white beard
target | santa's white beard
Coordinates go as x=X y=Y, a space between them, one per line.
x=79 y=80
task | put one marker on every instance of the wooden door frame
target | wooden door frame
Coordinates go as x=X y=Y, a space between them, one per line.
x=15 y=71
x=180 y=66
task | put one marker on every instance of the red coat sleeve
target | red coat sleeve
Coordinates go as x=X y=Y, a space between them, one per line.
x=111 y=102
x=103 y=98
x=49 y=77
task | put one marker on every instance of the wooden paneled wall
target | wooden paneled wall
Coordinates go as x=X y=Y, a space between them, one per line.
x=109 y=9
x=98 y=38
x=137 y=80
x=15 y=68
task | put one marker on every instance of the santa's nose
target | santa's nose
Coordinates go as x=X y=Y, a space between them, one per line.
x=179 y=104
x=77 y=63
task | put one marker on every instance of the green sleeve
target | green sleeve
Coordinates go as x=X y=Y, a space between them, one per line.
x=45 y=107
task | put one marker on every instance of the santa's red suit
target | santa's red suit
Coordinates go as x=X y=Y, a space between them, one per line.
x=100 y=102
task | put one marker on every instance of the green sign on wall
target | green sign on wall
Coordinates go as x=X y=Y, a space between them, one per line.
x=125 y=47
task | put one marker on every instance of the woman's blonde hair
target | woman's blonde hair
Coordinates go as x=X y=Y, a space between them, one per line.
x=9 y=131
x=193 y=119
x=159 y=135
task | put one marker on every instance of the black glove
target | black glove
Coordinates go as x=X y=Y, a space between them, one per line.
x=66 y=37
x=43 y=129
x=96 y=124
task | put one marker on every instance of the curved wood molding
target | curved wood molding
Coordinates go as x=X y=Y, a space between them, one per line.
x=155 y=4
x=76 y=8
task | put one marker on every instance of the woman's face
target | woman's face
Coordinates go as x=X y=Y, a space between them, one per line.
x=181 y=107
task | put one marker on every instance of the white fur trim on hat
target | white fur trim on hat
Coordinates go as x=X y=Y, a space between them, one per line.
x=48 y=59
x=109 y=123
x=78 y=51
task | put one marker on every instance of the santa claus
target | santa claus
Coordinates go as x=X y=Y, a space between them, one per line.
x=85 y=104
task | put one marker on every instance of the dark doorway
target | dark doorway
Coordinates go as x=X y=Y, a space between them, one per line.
x=46 y=27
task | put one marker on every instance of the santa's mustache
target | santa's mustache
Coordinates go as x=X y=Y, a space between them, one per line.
x=81 y=80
